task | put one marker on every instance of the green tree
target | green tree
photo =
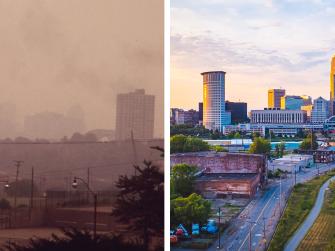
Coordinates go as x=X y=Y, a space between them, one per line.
x=194 y=144
x=280 y=149
x=260 y=146
x=182 y=179
x=140 y=202
x=192 y=209
x=237 y=135
x=177 y=143
x=219 y=149
x=306 y=143
x=255 y=135
x=182 y=143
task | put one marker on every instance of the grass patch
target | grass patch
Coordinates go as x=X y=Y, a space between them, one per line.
x=322 y=233
x=298 y=207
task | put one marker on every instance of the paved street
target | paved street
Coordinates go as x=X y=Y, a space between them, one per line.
x=262 y=214
x=264 y=210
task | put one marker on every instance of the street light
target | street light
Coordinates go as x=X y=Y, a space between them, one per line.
x=95 y=197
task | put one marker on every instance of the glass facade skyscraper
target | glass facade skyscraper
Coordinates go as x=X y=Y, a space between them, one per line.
x=215 y=116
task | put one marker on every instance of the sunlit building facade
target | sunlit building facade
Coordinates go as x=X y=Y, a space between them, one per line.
x=290 y=102
x=274 y=96
x=215 y=116
x=332 y=86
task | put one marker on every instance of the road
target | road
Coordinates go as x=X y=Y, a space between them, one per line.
x=299 y=235
x=262 y=214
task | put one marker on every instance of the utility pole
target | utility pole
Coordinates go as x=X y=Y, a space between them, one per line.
x=17 y=164
x=264 y=231
x=279 y=195
x=219 y=246
x=312 y=139
x=250 y=237
x=31 y=192
x=88 y=183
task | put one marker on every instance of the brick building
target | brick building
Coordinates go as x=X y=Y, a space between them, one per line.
x=226 y=174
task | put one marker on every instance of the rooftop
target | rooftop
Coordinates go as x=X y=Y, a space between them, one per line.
x=227 y=176
x=208 y=72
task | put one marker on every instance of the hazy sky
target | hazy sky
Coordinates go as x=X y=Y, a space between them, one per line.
x=58 y=53
x=261 y=44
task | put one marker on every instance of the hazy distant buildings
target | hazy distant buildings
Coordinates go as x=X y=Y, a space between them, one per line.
x=135 y=113
x=52 y=125
x=215 y=116
x=8 y=123
x=277 y=116
x=238 y=110
x=291 y=102
x=274 y=96
x=320 y=111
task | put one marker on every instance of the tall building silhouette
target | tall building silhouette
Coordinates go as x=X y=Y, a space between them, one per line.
x=332 y=86
x=135 y=114
x=274 y=96
x=215 y=116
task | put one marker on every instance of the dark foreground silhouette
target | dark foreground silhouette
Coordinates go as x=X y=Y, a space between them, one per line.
x=81 y=240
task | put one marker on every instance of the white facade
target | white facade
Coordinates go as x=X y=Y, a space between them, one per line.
x=320 y=111
x=215 y=116
x=278 y=117
x=291 y=163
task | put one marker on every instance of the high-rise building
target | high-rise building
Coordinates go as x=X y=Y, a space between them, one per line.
x=274 y=96
x=135 y=114
x=332 y=86
x=201 y=112
x=308 y=109
x=238 y=110
x=215 y=116
x=182 y=117
x=291 y=102
x=320 y=111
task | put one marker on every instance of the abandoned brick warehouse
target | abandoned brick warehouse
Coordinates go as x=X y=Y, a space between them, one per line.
x=225 y=174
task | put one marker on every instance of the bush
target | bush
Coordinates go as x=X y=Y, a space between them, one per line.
x=181 y=143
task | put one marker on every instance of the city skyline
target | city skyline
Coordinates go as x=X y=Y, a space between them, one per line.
x=54 y=57
x=263 y=45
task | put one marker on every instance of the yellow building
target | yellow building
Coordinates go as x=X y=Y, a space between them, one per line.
x=332 y=76
x=274 y=96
